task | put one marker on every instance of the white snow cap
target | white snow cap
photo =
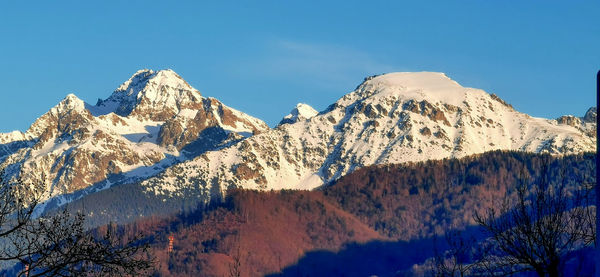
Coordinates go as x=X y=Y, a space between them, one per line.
x=138 y=77
x=70 y=102
x=163 y=88
x=142 y=77
x=435 y=81
x=433 y=86
x=300 y=112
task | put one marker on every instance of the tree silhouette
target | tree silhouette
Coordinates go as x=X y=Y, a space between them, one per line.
x=539 y=228
x=457 y=261
x=59 y=244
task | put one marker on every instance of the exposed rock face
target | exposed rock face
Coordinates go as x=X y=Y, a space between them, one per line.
x=151 y=95
x=157 y=129
x=184 y=128
x=569 y=120
x=152 y=121
x=391 y=118
x=586 y=124
x=426 y=109
x=590 y=115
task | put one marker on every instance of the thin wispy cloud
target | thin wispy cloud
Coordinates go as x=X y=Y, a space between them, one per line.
x=326 y=65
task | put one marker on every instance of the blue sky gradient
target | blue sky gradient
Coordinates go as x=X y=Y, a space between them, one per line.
x=263 y=58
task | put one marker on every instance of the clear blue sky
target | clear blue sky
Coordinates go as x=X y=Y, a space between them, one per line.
x=262 y=57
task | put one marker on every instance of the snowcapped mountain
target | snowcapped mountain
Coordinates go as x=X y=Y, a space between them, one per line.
x=150 y=122
x=157 y=130
x=300 y=113
x=392 y=118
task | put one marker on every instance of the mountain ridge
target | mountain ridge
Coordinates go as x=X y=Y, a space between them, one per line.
x=151 y=121
x=391 y=118
x=158 y=130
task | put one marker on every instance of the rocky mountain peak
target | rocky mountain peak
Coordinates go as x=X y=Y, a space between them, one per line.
x=137 y=80
x=153 y=120
x=391 y=118
x=590 y=115
x=71 y=108
x=156 y=124
x=69 y=103
x=144 y=77
x=300 y=112
x=153 y=95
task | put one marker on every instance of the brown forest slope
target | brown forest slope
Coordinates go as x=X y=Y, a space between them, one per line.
x=418 y=200
x=261 y=231
x=381 y=217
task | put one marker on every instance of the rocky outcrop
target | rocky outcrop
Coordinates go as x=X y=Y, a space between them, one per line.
x=426 y=109
x=569 y=120
x=590 y=115
x=157 y=129
x=152 y=121
x=392 y=118
x=151 y=95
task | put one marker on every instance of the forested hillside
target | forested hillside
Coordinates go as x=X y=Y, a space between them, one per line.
x=416 y=200
x=378 y=220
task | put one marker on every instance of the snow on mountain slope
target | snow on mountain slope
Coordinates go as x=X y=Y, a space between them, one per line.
x=152 y=121
x=300 y=112
x=151 y=95
x=392 y=118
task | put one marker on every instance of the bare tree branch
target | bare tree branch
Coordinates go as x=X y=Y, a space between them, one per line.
x=538 y=228
x=59 y=244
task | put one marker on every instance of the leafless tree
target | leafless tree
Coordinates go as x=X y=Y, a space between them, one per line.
x=540 y=227
x=59 y=244
x=235 y=268
x=458 y=259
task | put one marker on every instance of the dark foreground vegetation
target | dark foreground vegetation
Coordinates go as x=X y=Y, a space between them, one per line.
x=547 y=226
x=393 y=220
x=58 y=244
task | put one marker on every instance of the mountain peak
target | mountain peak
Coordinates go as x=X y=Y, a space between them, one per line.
x=300 y=112
x=67 y=111
x=422 y=80
x=150 y=94
x=432 y=87
x=160 y=121
x=389 y=119
x=590 y=115
x=69 y=103
x=141 y=78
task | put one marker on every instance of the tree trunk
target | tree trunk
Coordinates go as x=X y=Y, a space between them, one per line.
x=553 y=270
